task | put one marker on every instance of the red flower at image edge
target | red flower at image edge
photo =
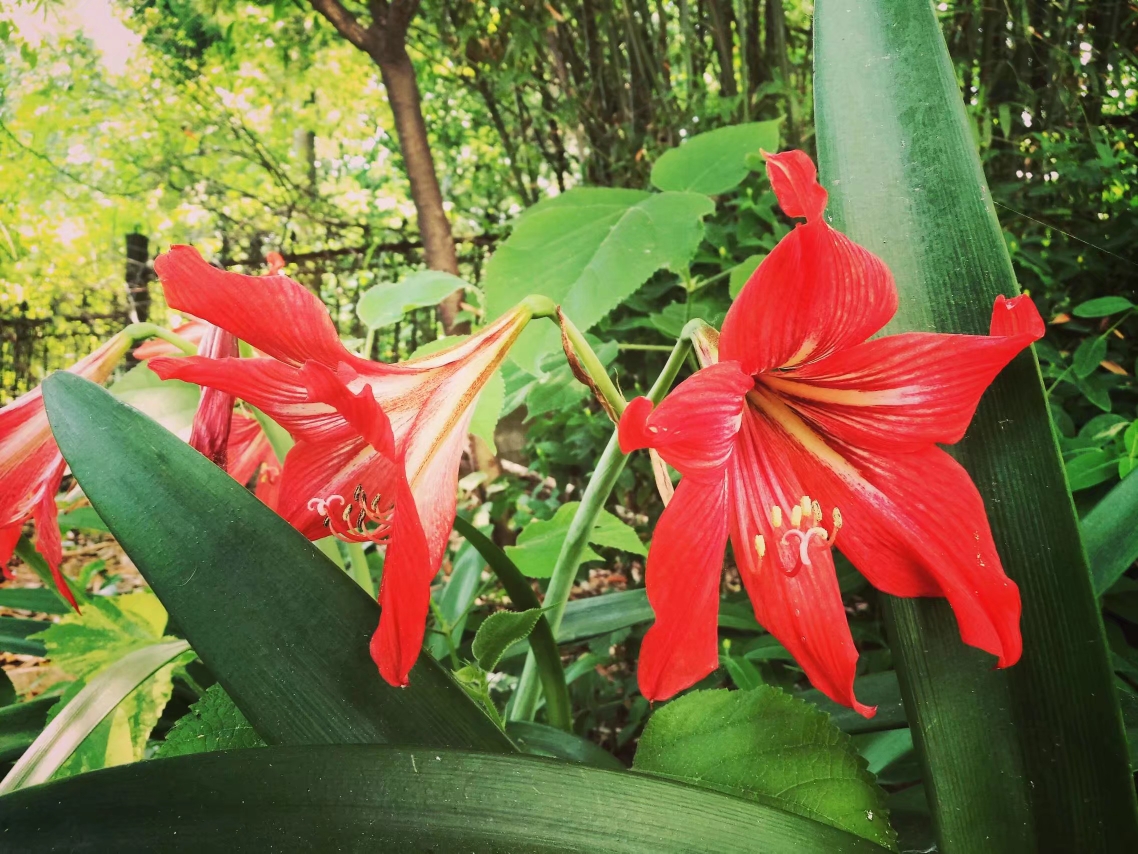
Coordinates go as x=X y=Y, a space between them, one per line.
x=31 y=466
x=804 y=434
x=377 y=445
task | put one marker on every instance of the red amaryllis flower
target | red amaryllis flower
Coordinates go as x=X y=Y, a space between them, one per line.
x=31 y=466
x=250 y=453
x=377 y=445
x=805 y=428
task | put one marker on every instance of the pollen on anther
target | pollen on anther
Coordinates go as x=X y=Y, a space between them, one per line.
x=796 y=516
x=776 y=516
x=760 y=545
x=805 y=504
x=837 y=514
x=816 y=510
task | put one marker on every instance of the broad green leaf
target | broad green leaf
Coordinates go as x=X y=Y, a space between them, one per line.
x=76 y=720
x=767 y=746
x=740 y=273
x=1110 y=533
x=1033 y=754
x=107 y=628
x=1102 y=307
x=172 y=403
x=386 y=303
x=1087 y=356
x=16 y=636
x=540 y=541
x=598 y=615
x=7 y=689
x=714 y=162
x=283 y=629
x=213 y=723
x=873 y=689
x=499 y=631
x=455 y=601
x=375 y=798
x=588 y=250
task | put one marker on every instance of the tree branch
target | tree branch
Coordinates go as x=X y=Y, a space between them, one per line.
x=345 y=23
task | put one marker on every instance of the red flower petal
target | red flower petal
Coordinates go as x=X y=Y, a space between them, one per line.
x=48 y=542
x=914 y=525
x=360 y=410
x=210 y=432
x=683 y=588
x=795 y=181
x=272 y=313
x=803 y=610
x=9 y=537
x=907 y=391
x=816 y=293
x=694 y=427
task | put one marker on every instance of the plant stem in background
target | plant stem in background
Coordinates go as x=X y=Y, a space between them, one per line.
x=138 y=332
x=611 y=464
x=543 y=643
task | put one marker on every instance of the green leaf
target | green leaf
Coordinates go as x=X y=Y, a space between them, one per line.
x=214 y=723
x=588 y=250
x=1110 y=534
x=1091 y=468
x=556 y=388
x=1087 y=356
x=386 y=303
x=765 y=745
x=105 y=630
x=83 y=518
x=1102 y=307
x=499 y=631
x=283 y=629
x=740 y=273
x=714 y=162
x=897 y=156
x=455 y=601
x=16 y=636
x=172 y=403
x=488 y=409
x=540 y=541
x=541 y=740
x=598 y=615
x=87 y=709
x=37 y=599
x=357 y=797
x=873 y=689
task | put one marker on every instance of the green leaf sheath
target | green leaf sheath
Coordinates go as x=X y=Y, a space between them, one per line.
x=284 y=630
x=359 y=798
x=542 y=642
x=1032 y=757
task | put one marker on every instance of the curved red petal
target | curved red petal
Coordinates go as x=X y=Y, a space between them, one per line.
x=210 y=431
x=816 y=293
x=797 y=602
x=685 y=562
x=694 y=427
x=404 y=593
x=9 y=537
x=359 y=409
x=914 y=525
x=907 y=391
x=48 y=541
x=794 y=180
x=249 y=449
x=273 y=313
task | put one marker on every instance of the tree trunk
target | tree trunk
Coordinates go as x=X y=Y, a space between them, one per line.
x=438 y=242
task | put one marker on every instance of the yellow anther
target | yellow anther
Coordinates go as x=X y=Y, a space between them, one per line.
x=816 y=508
x=796 y=516
x=805 y=503
x=760 y=545
x=776 y=516
x=837 y=519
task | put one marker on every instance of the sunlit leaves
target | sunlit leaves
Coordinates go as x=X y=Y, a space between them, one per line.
x=716 y=161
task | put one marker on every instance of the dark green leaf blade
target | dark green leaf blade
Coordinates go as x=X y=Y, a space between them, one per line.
x=1033 y=756
x=284 y=630
x=15 y=635
x=374 y=798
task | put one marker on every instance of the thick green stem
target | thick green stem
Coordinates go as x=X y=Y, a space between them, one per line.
x=593 y=500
